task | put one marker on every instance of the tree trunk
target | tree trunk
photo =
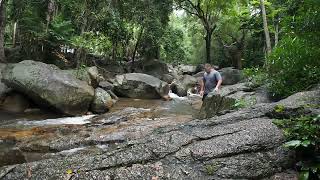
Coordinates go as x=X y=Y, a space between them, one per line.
x=276 y=34
x=208 y=46
x=80 y=53
x=50 y=12
x=14 y=36
x=238 y=57
x=136 y=48
x=114 y=50
x=2 y=27
x=265 y=26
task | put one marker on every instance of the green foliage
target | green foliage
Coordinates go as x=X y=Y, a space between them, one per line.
x=193 y=42
x=303 y=131
x=59 y=32
x=294 y=66
x=303 y=135
x=153 y=17
x=243 y=103
x=255 y=76
x=108 y=28
x=81 y=72
x=172 y=47
x=95 y=43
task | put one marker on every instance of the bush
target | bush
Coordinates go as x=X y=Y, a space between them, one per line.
x=303 y=135
x=255 y=76
x=293 y=66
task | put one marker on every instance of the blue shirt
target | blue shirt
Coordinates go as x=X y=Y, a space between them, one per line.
x=211 y=80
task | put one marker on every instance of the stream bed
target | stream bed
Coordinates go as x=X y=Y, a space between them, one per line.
x=34 y=136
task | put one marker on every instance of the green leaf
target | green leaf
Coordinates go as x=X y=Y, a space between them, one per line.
x=306 y=143
x=69 y=171
x=294 y=143
x=304 y=175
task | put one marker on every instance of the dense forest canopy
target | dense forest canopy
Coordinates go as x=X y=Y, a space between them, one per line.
x=273 y=34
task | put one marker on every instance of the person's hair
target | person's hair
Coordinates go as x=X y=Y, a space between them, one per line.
x=207 y=65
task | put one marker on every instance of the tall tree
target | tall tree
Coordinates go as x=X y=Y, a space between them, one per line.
x=2 y=29
x=265 y=26
x=234 y=50
x=150 y=15
x=208 y=12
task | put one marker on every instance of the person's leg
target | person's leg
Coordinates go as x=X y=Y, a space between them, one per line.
x=204 y=96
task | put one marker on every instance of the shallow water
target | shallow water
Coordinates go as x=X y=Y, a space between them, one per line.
x=40 y=135
x=59 y=121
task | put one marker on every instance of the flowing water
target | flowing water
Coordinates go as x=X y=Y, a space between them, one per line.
x=34 y=136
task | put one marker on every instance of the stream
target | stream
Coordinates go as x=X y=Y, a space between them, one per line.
x=40 y=135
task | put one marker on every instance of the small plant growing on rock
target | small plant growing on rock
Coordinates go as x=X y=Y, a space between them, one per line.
x=243 y=103
x=211 y=169
x=279 y=109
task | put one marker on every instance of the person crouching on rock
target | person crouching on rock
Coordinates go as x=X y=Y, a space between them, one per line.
x=211 y=81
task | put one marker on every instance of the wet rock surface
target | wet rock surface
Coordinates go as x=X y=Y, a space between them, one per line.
x=146 y=143
x=42 y=139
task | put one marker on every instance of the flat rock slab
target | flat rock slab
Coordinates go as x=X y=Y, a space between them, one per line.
x=239 y=145
x=178 y=153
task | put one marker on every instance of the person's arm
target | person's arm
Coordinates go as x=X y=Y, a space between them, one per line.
x=219 y=78
x=202 y=87
x=218 y=85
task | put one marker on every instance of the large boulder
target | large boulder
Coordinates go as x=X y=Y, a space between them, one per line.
x=106 y=85
x=3 y=88
x=137 y=85
x=230 y=76
x=167 y=78
x=199 y=75
x=183 y=84
x=48 y=86
x=199 y=68
x=187 y=69
x=102 y=101
x=215 y=103
x=107 y=66
x=153 y=67
x=173 y=71
x=91 y=75
x=232 y=97
x=80 y=74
